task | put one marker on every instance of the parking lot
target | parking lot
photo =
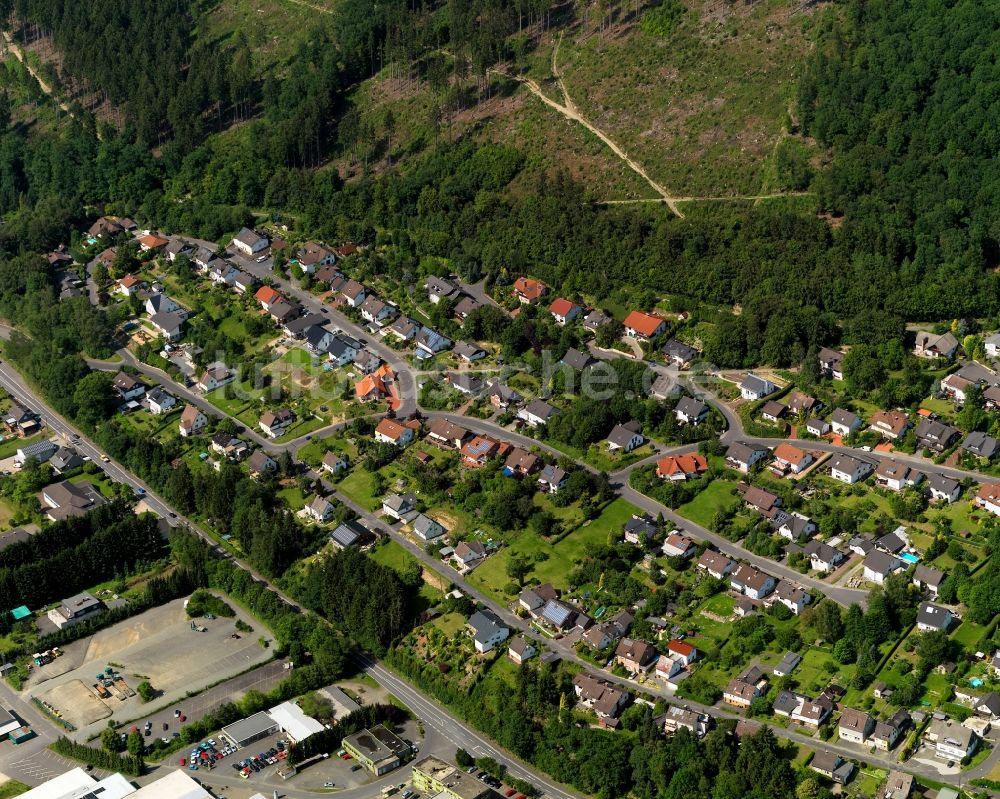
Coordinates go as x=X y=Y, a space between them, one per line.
x=263 y=679
x=158 y=646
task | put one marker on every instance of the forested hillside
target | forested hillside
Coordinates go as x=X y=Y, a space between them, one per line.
x=901 y=105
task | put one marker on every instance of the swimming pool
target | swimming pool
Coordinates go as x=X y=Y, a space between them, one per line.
x=975 y=682
x=909 y=557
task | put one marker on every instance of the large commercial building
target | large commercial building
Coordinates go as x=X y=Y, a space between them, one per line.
x=434 y=777
x=245 y=731
x=78 y=784
x=378 y=749
x=286 y=717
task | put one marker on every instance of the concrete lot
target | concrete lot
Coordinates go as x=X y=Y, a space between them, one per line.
x=158 y=646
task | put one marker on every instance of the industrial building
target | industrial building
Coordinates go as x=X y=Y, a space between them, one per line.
x=245 y=731
x=379 y=750
x=78 y=784
x=434 y=777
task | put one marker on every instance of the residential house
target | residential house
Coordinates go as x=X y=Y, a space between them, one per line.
x=850 y=469
x=792 y=596
x=105 y=228
x=598 y=695
x=276 y=423
x=664 y=386
x=389 y=431
x=817 y=427
x=502 y=396
x=679 y=354
x=844 y=423
x=477 y=452
x=927 y=578
x=987 y=706
x=888 y=732
x=635 y=656
x=313 y=255
x=466 y=383
x=320 y=509
x=740 y=694
x=438 y=288
x=169 y=325
x=192 y=422
x=754 y=387
x=399 y=506
x=992 y=345
x=743 y=456
x=319 y=340
x=380 y=385
x=520 y=650
x=39 y=452
x=404 y=328
x=715 y=564
x=520 y=462
x=791 y=459
x=161 y=303
x=430 y=342
x=529 y=291
x=772 y=411
x=802 y=404
x=283 y=310
x=557 y=614
x=250 y=242
x=127 y=387
x=445 y=434
x=682 y=652
x=64 y=500
x=934 y=435
x=988 y=498
x=638 y=528
x=644 y=326
x=464 y=351
x=552 y=479
x=244 y=283
x=890 y=424
x=833 y=767
x=690 y=411
x=752 y=582
x=677 y=545
x=681 y=467
x=951 y=740
x=261 y=464
x=159 y=401
x=577 y=360
x=536 y=413
x=65 y=459
x=878 y=565
x=376 y=310
x=465 y=306
x=348 y=534
x=855 y=726
x=932 y=345
x=353 y=293
x=340 y=350
x=366 y=362
x=932 y=618
x=788 y=663
x=532 y=599
x=831 y=363
x=896 y=476
x=215 y=377
x=625 y=437
x=564 y=311
x=861 y=545
x=426 y=528
x=268 y=296
x=796 y=527
x=981 y=445
x=74 y=610
x=223 y=273
x=298 y=327
x=129 y=286
x=899 y=785
x=469 y=553
x=487 y=630
x=823 y=557
x=764 y=502
x=229 y=446
x=678 y=717
x=595 y=319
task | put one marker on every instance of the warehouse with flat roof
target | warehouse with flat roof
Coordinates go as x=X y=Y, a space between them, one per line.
x=379 y=750
x=245 y=731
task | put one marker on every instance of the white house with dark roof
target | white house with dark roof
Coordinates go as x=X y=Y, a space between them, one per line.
x=690 y=411
x=878 y=565
x=487 y=630
x=931 y=618
x=850 y=469
x=536 y=413
x=755 y=387
x=250 y=242
x=626 y=437
x=844 y=423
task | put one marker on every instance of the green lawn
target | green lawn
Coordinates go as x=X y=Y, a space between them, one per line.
x=552 y=562
x=358 y=487
x=450 y=623
x=719 y=495
x=393 y=555
x=968 y=634
x=9 y=446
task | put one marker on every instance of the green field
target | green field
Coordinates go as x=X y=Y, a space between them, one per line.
x=553 y=562
x=720 y=495
x=393 y=555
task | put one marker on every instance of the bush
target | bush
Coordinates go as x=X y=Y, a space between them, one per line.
x=202 y=602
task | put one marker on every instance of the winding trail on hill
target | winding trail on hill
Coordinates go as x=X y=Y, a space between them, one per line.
x=15 y=48
x=569 y=110
x=729 y=197
x=304 y=4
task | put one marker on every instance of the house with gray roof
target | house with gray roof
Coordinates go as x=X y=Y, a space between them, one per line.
x=487 y=630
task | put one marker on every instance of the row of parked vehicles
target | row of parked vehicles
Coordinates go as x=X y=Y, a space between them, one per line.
x=254 y=764
x=493 y=782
